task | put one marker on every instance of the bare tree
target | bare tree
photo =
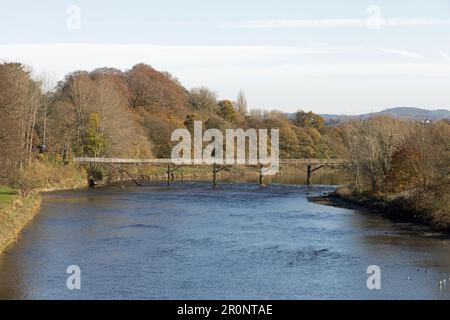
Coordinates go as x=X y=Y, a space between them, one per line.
x=241 y=103
x=20 y=101
x=203 y=99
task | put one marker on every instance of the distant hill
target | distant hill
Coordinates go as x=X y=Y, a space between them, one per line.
x=401 y=112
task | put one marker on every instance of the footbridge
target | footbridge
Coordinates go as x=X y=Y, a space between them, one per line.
x=308 y=165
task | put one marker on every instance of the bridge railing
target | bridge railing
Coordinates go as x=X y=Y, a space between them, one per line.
x=169 y=161
x=313 y=161
x=120 y=160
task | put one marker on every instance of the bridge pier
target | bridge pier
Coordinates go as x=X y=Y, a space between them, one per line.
x=121 y=175
x=91 y=182
x=216 y=170
x=308 y=175
x=309 y=172
x=168 y=175
x=261 y=168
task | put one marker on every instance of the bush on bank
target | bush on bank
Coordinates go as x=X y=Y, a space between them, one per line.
x=431 y=205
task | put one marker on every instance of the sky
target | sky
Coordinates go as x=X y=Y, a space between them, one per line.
x=343 y=57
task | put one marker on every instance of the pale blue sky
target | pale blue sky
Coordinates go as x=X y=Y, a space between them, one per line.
x=325 y=56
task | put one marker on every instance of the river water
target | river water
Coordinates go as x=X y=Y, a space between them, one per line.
x=238 y=241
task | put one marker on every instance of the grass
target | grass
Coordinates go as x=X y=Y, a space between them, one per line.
x=6 y=194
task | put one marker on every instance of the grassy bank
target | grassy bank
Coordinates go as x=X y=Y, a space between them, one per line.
x=6 y=195
x=15 y=213
x=17 y=208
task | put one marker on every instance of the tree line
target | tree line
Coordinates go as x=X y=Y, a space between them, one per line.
x=108 y=112
x=113 y=113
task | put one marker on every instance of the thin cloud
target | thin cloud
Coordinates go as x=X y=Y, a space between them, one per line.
x=444 y=55
x=277 y=76
x=336 y=23
x=403 y=53
x=242 y=60
x=299 y=23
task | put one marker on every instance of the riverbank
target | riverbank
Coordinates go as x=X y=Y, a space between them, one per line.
x=17 y=209
x=15 y=215
x=399 y=208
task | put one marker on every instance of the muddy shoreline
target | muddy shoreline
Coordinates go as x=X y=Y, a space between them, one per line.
x=397 y=211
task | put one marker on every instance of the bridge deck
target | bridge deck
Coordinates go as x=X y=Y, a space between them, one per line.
x=164 y=161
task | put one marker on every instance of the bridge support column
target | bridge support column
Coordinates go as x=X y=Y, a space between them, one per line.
x=121 y=175
x=214 y=175
x=168 y=175
x=91 y=182
x=261 y=176
x=308 y=175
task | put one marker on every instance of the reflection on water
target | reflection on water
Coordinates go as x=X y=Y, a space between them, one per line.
x=234 y=242
x=321 y=177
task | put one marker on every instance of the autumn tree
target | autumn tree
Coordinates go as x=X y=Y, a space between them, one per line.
x=104 y=93
x=204 y=100
x=306 y=147
x=150 y=88
x=190 y=120
x=289 y=143
x=77 y=89
x=61 y=132
x=9 y=148
x=33 y=177
x=158 y=128
x=216 y=122
x=371 y=145
x=227 y=111
x=405 y=169
x=20 y=102
x=308 y=119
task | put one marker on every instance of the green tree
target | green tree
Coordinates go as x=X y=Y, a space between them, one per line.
x=306 y=144
x=289 y=144
x=95 y=142
x=95 y=145
x=227 y=111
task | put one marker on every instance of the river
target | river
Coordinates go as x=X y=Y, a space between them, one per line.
x=238 y=241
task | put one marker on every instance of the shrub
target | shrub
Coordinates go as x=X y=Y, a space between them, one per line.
x=34 y=177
